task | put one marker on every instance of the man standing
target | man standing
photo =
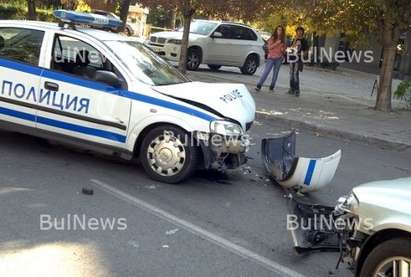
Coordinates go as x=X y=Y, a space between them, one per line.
x=296 y=53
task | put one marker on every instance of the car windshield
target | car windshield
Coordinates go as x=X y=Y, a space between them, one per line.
x=201 y=27
x=145 y=64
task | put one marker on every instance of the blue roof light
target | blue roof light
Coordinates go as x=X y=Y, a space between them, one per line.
x=94 y=20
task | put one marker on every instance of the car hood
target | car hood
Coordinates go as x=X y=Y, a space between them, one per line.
x=399 y=189
x=176 y=35
x=387 y=203
x=232 y=101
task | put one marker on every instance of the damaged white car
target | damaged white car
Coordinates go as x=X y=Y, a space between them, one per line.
x=108 y=92
x=370 y=228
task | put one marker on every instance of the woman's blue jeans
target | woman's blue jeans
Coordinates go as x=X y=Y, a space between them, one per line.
x=274 y=65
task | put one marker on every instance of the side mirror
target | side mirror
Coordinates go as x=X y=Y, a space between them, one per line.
x=217 y=35
x=108 y=78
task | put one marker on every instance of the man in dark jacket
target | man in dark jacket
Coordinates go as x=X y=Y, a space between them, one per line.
x=296 y=52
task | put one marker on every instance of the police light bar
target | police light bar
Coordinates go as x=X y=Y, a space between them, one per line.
x=90 y=19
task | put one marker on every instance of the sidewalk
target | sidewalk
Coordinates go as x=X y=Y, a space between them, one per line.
x=330 y=113
x=337 y=116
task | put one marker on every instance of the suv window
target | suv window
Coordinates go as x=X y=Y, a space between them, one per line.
x=226 y=31
x=76 y=57
x=243 y=33
x=23 y=45
x=236 y=32
x=249 y=34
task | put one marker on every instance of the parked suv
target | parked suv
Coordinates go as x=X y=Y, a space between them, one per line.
x=215 y=44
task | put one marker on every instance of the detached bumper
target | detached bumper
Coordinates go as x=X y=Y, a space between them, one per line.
x=221 y=152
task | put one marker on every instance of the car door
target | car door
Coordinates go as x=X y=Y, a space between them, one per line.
x=242 y=43
x=74 y=103
x=222 y=49
x=20 y=49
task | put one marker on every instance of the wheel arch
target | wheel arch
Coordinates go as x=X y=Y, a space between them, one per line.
x=376 y=239
x=253 y=54
x=140 y=129
x=144 y=132
x=197 y=47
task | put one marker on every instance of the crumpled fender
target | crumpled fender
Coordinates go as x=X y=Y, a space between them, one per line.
x=290 y=171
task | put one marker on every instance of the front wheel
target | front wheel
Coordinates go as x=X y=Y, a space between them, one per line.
x=250 y=65
x=193 y=59
x=390 y=258
x=167 y=155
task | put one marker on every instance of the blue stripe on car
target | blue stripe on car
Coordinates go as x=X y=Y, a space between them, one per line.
x=64 y=125
x=310 y=172
x=104 y=88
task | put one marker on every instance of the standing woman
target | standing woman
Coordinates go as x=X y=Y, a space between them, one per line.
x=276 y=50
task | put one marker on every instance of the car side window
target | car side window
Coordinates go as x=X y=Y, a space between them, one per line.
x=249 y=34
x=226 y=31
x=243 y=33
x=78 y=58
x=20 y=44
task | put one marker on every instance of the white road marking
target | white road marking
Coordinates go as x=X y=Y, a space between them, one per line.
x=198 y=231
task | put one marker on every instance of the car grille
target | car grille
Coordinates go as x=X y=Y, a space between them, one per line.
x=156 y=44
x=161 y=40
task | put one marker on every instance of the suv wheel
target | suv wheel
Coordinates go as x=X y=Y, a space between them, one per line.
x=214 y=67
x=165 y=155
x=193 y=58
x=129 y=32
x=250 y=66
x=390 y=258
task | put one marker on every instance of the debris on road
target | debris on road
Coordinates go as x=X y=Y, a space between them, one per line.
x=172 y=232
x=87 y=191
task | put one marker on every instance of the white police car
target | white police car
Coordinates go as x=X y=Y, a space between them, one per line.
x=102 y=91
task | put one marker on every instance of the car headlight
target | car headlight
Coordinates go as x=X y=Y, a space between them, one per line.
x=349 y=204
x=226 y=128
x=174 y=41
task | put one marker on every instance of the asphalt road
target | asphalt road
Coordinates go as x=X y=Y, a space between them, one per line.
x=212 y=225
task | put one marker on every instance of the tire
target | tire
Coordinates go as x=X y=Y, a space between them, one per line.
x=380 y=255
x=166 y=157
x=129 y=32
x=250 y=65
x=214 y=67
x=193 y=59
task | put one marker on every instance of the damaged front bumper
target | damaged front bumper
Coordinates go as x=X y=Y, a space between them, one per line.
x=223 y=152
x=320 y=228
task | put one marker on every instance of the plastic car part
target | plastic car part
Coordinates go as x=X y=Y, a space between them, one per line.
x=291 y=172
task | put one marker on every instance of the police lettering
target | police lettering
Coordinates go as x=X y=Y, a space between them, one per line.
x=53 y=99
x=235 y=94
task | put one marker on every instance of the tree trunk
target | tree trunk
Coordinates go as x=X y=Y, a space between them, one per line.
x=384 y=95
x=31 y=9
x=124 y=8
x=188 y=15
x=172 y=19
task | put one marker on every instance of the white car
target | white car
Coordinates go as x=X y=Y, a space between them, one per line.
x=102 y=91
x=214 y=43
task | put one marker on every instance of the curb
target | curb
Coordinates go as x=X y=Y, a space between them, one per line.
x=296 y=124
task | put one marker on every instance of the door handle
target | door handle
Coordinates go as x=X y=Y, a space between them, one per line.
x=51 y=86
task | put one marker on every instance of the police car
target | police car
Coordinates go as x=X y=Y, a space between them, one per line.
x=74 y=83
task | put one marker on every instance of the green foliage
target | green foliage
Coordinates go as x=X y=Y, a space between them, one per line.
x=403 y=92
x=19 y=11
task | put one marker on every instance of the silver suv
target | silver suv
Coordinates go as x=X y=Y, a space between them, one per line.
x=213 y=43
